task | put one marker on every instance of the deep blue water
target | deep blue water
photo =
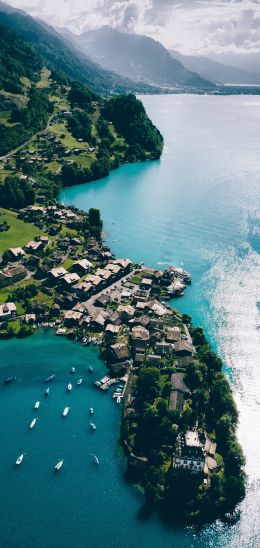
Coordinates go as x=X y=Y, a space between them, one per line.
x=198 y=207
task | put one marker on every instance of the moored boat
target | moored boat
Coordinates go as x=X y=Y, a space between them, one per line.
x=73 y=369
x=91 y=410
x=79 y=382
x=65 y=412
x=93 y=426
x=32 y=423
x=47 y=391
x=90 y=369
x=37 y=405
x=19 y=460
x=69 y=386
x=95 y=459
x=58 y=465
x=49 y=378
x=118 y=399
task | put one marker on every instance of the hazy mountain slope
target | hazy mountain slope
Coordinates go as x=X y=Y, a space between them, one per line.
x=215 y=71
x=62 y=55
x=137 y=57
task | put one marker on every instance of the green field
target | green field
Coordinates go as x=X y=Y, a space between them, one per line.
x=19 y=233
x=68 y=141
x=6 y=291
x=44 y=81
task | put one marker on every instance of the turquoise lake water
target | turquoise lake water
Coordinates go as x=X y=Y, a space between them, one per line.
x=198 y=207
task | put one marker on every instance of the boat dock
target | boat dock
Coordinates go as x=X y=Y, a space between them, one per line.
x=105 y=383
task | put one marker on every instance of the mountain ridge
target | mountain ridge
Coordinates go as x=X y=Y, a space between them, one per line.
x=61 y=55
x=219 y=73
x=137 y=57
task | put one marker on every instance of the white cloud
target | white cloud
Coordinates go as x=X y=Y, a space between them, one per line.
x=192 y=26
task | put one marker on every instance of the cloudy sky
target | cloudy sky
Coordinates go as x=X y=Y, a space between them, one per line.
x=191 y=26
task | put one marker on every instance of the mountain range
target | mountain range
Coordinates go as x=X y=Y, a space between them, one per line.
x=137 y=57
x=217 y=72
x=63 y=56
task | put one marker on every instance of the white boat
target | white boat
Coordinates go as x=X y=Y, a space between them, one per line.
x=118 y=400
x=19 y=460
x=91 y=410
x=69 y=386
x=79 y=381
x=73 y=370
x=58 y=465
x=37 y=405
x=65 y=412
x=33 y=423
x=95 y=459
x=93 y=426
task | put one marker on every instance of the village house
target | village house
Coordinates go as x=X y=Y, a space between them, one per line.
x=7 y=311
x=184 y=348
x=33 y=246
x=113 y=317
x=44 y=239
x=80 y=307
x=189 y=454
x=179 y=391
x=95 y=281
x=146 y=283
x=126 y=312
x=12 y=274
x=72 y=317
x=56 y=273
x=163 y=348
x=140 y=337
x=141 y=295
x=29 y=319
x=15 y=253
x=156 y=323
x=36 y=211
x=125 y=264
x=105 y=275
x=102 y=300
x=98 y=320
x=141 y=320
x=112 y=329
x=118 y=352
x=156 y=336
x=115 y=269
x=173 y=334
x=158 y=309
x=126 y=294
x=83 y=266
x=70 y=279
x=84 y=289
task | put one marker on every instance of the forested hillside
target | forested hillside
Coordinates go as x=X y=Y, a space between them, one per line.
x=17 y=59
x=56 y=132
x=63 y=56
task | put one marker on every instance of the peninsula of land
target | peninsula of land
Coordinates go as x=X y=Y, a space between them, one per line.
x=178 y=415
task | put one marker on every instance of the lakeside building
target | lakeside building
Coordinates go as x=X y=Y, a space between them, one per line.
x=189 y=453
x=195 y=453
x=7 y=311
